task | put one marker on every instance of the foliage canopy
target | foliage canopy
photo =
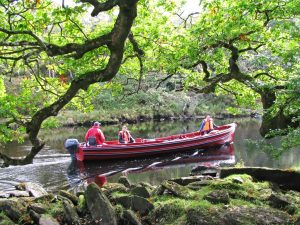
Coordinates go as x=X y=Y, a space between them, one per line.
x=57 y=56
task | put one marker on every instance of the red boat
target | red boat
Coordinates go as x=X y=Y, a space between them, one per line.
x=146 y=147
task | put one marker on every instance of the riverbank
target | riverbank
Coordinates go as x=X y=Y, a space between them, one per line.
x=198 y=199
x=75 y=119
x=146 y=106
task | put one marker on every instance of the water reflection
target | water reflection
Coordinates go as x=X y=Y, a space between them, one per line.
x=166 y=167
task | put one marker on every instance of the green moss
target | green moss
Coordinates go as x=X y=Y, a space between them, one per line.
x=116 y=194
x=119 y=210
x=248 y=190
x=203 y=204
x=168 y=212
x=4 y=220
x=55 y=209
x=25 y=219
x=244 y=177
x=294 y=197
x=200 y=194
x=225 y=184
x=81 y=202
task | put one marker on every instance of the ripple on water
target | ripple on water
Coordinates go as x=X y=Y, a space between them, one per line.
x=50 y=172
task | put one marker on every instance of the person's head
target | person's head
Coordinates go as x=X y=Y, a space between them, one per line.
x=97 y=124
x=207 y=117
x=124 y=127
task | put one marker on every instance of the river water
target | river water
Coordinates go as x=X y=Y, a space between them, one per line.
x=53 y=168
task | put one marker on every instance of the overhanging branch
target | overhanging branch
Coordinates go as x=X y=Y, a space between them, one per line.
x=30 y=33
x=100 y=7
x=79 y=50
x=115 y=41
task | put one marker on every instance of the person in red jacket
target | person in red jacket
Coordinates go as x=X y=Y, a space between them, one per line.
x=94 y=135
x=125 y=136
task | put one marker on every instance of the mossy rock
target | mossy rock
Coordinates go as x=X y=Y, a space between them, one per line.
x=159 y=190
x=55 y=209
x=34 y=216
x=238 y=215
x=226 y=184
x=34 y=189
x=140 y=191
x=278 y=201
x=131 y=218
x=240 y=177
x=4 y=220
x=257 y=215
x=47 y=219
x=99 y=205
x=191 y=179
x=286 y=179
x=197 y=185
x=38 y=208
x=218 y=196
x=147 y=185
x=68 y=195
x=136 y=203
x=248 y=190
x=46 y=198
x=70 y=214
x=12 y=209
x=115 y=187
x=176 y=189
x=119 y=210
x=201 y=217
x=293 y=196
x=167 y=212
x=124 y=180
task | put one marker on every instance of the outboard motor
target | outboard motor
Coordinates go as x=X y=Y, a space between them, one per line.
x=72 y=146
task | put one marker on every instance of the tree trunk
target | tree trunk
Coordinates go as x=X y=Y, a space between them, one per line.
x=118 y=36
x=271 y=120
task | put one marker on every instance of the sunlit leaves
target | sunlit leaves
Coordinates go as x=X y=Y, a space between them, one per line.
x=9 y=112
x=156 y=34
x=2 y=87
x=194 y=79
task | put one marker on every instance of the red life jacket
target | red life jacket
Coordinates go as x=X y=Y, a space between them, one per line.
x=125 y=135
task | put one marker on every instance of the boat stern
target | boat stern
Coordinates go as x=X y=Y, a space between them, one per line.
x=79 y=154
x=75 y=149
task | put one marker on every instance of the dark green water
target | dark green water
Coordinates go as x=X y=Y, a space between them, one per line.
x=53 y=169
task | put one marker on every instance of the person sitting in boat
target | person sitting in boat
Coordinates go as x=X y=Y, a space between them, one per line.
x=125 y=136
x=94 y=135
x=207 y=125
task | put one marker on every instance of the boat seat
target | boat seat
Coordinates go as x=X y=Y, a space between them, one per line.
x=139 y=140
x=92 y=141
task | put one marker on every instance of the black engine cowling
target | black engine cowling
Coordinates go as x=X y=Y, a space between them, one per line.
x=72 y=146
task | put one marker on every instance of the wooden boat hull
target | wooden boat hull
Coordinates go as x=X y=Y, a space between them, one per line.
x=148 y=147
